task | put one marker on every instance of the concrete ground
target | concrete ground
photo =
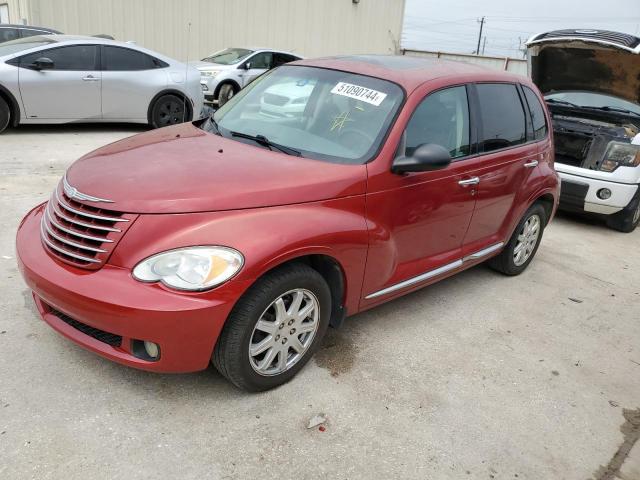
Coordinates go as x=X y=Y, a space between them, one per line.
x=479 y=376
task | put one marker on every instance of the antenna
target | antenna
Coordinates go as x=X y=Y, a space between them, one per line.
x=186 y=75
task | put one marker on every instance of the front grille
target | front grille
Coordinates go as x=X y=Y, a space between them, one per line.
x=100 y=335
x=618 y=38
x=274 y=99
x=80 y=234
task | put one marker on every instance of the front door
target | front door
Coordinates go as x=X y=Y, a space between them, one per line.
x=418 y=221
x=69 y=90
x=256 y=66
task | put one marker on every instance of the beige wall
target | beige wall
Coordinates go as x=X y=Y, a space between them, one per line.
x=308 y=27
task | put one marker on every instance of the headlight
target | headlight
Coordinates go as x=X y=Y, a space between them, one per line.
x=191 y=268
x=209 y=73
x=620 y=154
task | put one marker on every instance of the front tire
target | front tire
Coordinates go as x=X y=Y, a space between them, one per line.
x=226 y=93
x=5 y=114
x=274 y=329
x=169 y=110
x=523 y=244
x=628 y=219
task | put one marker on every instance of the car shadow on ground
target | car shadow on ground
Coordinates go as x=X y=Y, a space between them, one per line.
x=75 y=128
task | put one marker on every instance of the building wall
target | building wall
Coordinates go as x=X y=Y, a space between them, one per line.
x=308 y=27
x=513 y=65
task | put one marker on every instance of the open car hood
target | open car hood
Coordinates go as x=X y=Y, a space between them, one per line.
x=586 y=60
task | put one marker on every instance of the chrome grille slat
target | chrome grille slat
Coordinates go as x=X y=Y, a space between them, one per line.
x=53 y=246
x=73 y=232
x=69 y=242
x=87 y=214
x=82 y=224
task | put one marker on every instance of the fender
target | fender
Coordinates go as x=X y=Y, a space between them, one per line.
x=267 y=238
x=13 y=104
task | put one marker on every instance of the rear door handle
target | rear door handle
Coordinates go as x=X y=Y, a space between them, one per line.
x=531 y=164
x=90 y=78
x=470 y=181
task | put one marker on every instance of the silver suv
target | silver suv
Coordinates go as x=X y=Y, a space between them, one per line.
x=224 y=73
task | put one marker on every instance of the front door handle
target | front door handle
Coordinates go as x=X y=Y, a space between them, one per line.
x=470 y=181
x=533 y=163
x=90 y=78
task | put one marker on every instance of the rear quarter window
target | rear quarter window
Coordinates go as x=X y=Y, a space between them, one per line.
x=502 y=116
x=537 y=114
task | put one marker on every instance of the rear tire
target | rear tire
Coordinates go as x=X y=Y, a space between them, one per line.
x=523 y=244
x=5 y=114
x=226 y=93
x=258 y=335
x=628 y=219
x=169 y=110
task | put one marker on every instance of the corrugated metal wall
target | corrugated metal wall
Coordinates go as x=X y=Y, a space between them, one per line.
x=308 y=27
x=513 y=65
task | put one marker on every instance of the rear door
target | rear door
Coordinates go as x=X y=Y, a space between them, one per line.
x=130 y=80
x=508 y=154
x=71 y=90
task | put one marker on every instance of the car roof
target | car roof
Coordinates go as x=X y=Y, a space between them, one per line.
x=27 y=27
x=410 y=71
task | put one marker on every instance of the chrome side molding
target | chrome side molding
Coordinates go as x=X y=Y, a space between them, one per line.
x=438 y=271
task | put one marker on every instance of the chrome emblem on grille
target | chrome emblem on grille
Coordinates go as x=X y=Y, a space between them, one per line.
x=73 y=193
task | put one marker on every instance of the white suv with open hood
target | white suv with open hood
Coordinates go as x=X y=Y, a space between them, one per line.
x=591 y=82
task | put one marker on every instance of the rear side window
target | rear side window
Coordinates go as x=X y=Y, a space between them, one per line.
x=442 y=118
x=125 y=59
x=537 y=114
x=74 y=57
x=7 y=34
x=502 y=115
x=27 y=32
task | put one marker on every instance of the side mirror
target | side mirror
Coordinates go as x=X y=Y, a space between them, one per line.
x=247 y=65
x=42 y=63
x=427 y=157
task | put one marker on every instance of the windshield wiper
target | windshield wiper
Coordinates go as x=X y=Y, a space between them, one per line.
x=561 y=102
x=262 y=140
x=615 y=109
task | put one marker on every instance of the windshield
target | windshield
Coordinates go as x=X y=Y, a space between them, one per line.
x=591 y=99
x=323 y=114
x=228 y=56
x=15 y=46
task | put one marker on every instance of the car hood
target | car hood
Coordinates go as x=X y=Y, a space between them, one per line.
x=184 y=169
x=211 y=66
x=584 y=60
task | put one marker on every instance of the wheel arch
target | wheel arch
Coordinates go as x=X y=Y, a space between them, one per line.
x=547 y=201
x=226 y=81
x=14 y=106
x=170 y=91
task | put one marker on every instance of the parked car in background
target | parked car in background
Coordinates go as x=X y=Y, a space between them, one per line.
x=240 y=242
x=63 y=79
x=591 y=82
x=224 y=73
x=13 y=32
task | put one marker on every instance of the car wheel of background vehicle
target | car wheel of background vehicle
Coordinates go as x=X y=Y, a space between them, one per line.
x=523 y=244
x=274 y=328
x=169 y=110
x=628 y=219
x=226 y=93
x=5 y=115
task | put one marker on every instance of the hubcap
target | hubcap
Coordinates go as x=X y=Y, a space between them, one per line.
x=284 y=332
x=527 y=240
x=170 y=113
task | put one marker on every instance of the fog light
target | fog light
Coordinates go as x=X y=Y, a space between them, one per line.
x=152 y=349
x=604 y=193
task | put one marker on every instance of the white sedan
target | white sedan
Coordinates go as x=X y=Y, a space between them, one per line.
x=63 y=79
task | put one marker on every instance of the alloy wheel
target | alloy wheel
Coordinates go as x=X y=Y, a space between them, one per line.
x=527 y=240
x=284 y=332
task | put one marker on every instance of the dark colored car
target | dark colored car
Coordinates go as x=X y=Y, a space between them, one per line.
x=13 y=32
x=239 y=239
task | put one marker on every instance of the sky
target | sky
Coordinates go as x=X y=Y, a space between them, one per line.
x=453 y=25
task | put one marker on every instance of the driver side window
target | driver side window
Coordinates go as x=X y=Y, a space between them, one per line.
x=261 y=60
x=442 y=118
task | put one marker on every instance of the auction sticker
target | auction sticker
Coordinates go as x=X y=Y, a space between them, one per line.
x=357 y=92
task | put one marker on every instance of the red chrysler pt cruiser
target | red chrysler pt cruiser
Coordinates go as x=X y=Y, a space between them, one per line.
x=323 y=189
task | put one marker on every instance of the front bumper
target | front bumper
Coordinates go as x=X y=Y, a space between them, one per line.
x=580 y=188
x=111 y=301
x=209 y=85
